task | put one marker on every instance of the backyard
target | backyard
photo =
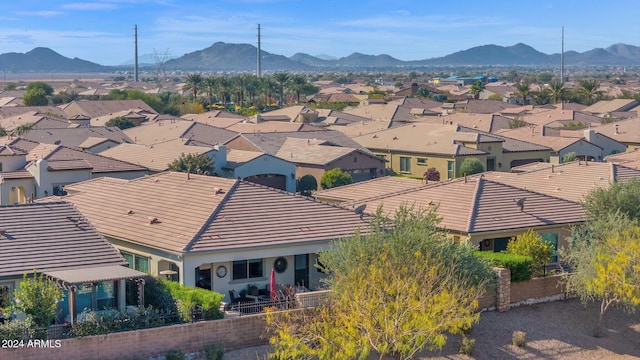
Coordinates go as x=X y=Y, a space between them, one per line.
x=554 y=330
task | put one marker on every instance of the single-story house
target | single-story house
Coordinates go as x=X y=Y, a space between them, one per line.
x=215 y=233
x=54 y=239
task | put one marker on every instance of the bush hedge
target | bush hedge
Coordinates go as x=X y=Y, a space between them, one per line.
x=187 y=298
x=519 y=265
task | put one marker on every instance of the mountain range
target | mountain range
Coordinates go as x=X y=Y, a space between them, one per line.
x=242 y=57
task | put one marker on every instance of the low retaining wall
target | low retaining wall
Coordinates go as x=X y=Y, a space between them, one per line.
x=237 y=333
x=245 y=331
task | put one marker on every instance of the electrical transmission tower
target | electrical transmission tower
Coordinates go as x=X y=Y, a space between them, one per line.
x=161 y=62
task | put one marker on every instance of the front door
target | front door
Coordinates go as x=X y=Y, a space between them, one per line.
x=302 y=270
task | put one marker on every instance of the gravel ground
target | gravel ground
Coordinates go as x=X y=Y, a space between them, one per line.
x=556 y=330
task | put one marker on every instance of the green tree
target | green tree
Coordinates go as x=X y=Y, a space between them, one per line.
x=334 y=178
x=523 y=90
x=48 y=90
x=476 y=89
x=558 y=91
x=35 y=97
x=193 y=163
x=495 y=97
x=398 y=289
x=120 y=122
x=619 y=197
x=588 y=90
x=605 y=258
x=22 y=129
x=471 y=166
x=37 y=299
x=193 y=83
x=307 y=185
x=281 y=79
x=10 y=86
x=3 y=132
x=569 y=157
x=531 y=244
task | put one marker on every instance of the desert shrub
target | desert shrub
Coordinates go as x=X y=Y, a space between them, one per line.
x=518 y=338
x=519 y=265
x=467 y=345
x=533 y=245
x=214 y=352
x=93 y=323
x=14 y=330
x=188 y=297
x=175 y=354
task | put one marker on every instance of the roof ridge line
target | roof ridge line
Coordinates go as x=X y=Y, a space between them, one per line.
x=211 y=217
x=474 y=209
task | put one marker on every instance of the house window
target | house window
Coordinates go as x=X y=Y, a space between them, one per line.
x=405 y=164
x=247 y=269
x=451 y=173
x=491 y=164
x=0 y=167
x=551 y=238
x=138 y=262
x=6 y=292
x=421 y=161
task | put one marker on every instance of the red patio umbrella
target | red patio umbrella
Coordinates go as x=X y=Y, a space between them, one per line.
x=272 y=285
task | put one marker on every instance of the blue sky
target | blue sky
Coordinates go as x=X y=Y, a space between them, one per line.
x=102 y=31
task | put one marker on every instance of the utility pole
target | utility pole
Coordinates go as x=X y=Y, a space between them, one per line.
x=562 y=58
x=135 y=71
x=259 y=57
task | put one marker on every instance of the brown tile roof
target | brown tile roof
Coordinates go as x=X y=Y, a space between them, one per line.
x=271 y=143
x=95 y=108
x=607 y=106
x=74 y=137
x=6 y=112
x=37 y=120
x=369 y=188
x=50 y=236
x=10 y=150
x=533 y=136
x=191 y=216
x=481 y=205
x=164 y=130
x=422 y=138
x=625 y=157
x=64 y=158
x=217 y=118
x=311 y=151
x=509 y=144
x=485 y=122
x=265 y=126
x=571 y=181
x=18 y=174
x=156 y=157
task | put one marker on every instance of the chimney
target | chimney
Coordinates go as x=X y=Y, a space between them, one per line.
x=552 y=168
x=258 y=118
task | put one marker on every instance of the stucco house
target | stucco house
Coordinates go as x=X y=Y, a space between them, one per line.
x=314 y=152
x=485 y=212
x=215 y=233
x=29 y=170
x=54 y=239
x=412 y=149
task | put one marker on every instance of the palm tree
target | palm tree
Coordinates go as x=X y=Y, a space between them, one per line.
x=476 y=89
x=523 y=90
x=589 y=91
x=281 y=79
x=269 y=86
x=251 y=86
x=193 y=83
x=224 y=87
x=209 y=86
x=296 y=84
x=557 y=91
x=22 y=129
